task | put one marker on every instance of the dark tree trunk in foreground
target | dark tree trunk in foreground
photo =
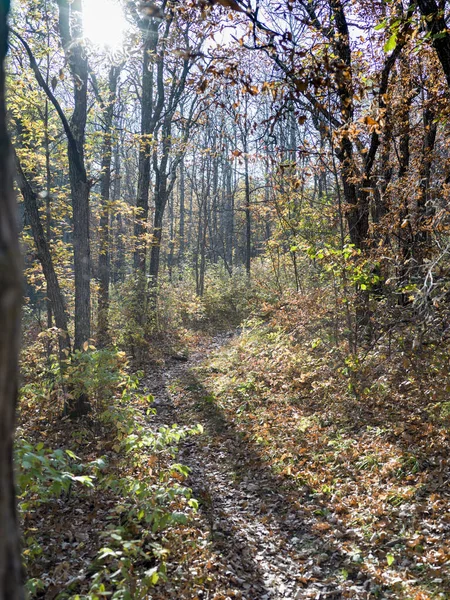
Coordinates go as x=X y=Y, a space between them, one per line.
x=10 y=300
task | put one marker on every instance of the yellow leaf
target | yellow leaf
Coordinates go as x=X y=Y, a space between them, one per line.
x=369 y=121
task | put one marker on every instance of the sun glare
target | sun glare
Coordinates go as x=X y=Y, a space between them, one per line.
x=104 y=23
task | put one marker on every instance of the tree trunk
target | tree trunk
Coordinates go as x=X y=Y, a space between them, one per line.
x=10 y=301
x=170 y=256
x=82 y=261
x=55 y=295
x=248 y=222
x=160 y=205
x=230 y=216
x=202 y=270
x=118 y=254
x=424 y=211
x=404 y=231
x=437 y=27
x=181 y=225
x=48 y=213
x=71 y=31
x=103 y=337
x=140 y=226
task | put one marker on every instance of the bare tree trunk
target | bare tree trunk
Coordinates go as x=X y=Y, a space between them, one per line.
x=191 y=209
x=248 y=222
x=161 y=197
x=71 y=32
x=48 y=214
x=230 y=214
x=201 y=286
x=422 y=238
x=10 y=301
x=140 y=226
x=196 y=251
x=118 y=256
x=103 y=337
x=214 y=202
x=170 y=255
x=181 y=226
x=404 y=231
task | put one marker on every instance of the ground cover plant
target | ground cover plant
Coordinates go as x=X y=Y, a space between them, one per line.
x=361 y=438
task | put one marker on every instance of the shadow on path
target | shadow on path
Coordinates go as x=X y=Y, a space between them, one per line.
x=276 y=540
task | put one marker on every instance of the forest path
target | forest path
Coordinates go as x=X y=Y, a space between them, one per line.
x=264 y=545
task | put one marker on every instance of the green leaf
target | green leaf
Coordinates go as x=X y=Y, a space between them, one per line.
x=391 y=43
x=72 y=455
x=152 y=575
x=182 y=469
x=193 y=503
x=390 y=559
x=104 y=552
x=83 y=479
x=179 y=517
x=380 y=26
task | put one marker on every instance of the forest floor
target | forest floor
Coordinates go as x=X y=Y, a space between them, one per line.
x=270 y=534
x=308 y=487
x=263 y=544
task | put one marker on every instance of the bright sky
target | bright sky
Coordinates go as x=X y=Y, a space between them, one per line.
x=104 y=23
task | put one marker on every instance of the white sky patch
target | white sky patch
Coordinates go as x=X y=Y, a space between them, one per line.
x=104 y=23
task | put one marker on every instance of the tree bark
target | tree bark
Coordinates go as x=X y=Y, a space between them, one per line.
x=103 y=337
x=71 y=32
x=248 y=221
x=140 y=226
x=170 y=255
x=424 y=211
x=161 y=197
x=181 y=225
x=10 y=301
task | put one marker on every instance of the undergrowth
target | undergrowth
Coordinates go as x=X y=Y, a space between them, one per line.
x=114 y=468
x=363 y=436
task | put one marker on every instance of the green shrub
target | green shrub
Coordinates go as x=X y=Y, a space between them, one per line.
x=101 y=376
x=41 y=475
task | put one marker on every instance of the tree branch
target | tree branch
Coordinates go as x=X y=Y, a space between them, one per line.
x=41 y=81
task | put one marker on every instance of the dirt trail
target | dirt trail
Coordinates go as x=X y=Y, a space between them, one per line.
x=266 y=544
